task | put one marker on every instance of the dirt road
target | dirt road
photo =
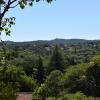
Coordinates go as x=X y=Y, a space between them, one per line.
x=24 y=96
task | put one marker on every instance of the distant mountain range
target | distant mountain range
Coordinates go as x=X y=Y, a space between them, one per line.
x=43 y=45
x=55 y=41
x=81 y=49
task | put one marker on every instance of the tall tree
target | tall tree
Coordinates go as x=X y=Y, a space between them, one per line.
x=40 y=73
x=56 y=61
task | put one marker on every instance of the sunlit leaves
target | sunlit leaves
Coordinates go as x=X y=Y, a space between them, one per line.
x=22 y=4
x=49 y=1
x=7 y=24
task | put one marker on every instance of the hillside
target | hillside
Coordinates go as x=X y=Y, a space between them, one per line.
x=11 y=44
x=60 y=65
x=44 y=46
x=78 y=48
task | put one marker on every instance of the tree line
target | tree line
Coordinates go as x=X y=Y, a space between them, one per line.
x=49 y=77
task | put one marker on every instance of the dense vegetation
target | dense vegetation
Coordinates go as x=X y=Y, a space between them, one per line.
x=57 y=69
x=77 y=50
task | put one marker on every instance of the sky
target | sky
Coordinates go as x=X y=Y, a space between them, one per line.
x=61 y=19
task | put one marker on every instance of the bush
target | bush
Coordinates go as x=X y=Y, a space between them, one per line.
x=51 y=87
x=17 y=77
x=75 y=78
x=27 y=84
x=77 y=96
x=7 y=92
x=93 y=77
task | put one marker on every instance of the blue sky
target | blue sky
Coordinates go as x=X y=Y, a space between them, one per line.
x=60 y=19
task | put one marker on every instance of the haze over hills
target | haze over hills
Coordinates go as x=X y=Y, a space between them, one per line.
x=46 y=43
x=57 y=40
x=43 y=46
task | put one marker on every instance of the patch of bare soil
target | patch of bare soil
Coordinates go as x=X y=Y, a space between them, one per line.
x=24 y=96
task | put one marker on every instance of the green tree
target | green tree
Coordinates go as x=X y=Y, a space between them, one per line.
x=40 y=72
x=25 y=60
x=71 y=60
x=8 y=83
x=75 y=78
x=93 y=77
x=17 y=78
x=51 y=87
x=56 y=61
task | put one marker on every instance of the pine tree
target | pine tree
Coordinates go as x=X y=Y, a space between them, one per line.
x=56 y=61
x=40 y=73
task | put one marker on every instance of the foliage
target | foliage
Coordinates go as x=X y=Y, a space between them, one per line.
x=74 y=52
x=39 y=73
x=17 y=77
x=7 y=92
x=10 y=74
x=84 y=77
x=51 y=98
x=77 y=96
x=25 y=60
x=68 y=74
x=27 y=84
x=93 y=77
x=51 y=87
x=75 y=78
x=8 y=83
x=71 y=60
x=56 y=61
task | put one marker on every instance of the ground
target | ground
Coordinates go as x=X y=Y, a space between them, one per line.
x=24 y=96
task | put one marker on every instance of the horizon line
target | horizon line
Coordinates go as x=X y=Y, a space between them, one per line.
x=54 y=39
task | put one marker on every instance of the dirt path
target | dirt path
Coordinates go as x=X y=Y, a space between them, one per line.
x=24 y=96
